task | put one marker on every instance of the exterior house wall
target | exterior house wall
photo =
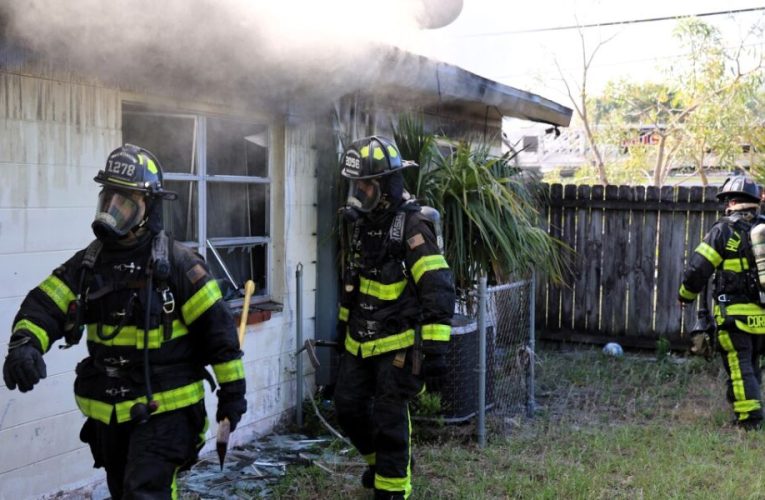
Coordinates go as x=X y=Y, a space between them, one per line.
x=55 y=133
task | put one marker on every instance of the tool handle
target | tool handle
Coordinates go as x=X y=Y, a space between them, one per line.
x=249 y=289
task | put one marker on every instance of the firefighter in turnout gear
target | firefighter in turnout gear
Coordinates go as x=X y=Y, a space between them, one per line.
x=153 y=317
x=395 y=313
x=726 y=251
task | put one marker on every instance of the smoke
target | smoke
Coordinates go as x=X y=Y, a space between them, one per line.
x=268 y=50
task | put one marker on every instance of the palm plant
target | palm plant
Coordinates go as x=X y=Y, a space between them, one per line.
x=489 y=213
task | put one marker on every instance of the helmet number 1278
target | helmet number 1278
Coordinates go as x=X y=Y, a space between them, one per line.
x=117 y=167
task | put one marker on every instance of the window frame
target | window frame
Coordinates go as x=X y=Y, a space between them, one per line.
x=203 y=179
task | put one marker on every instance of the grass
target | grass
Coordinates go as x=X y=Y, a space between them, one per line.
x=630 y=427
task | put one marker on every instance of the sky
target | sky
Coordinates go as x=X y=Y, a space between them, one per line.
x=481 y=39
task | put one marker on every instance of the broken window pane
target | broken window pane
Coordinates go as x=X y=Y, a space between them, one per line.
x=228 y=159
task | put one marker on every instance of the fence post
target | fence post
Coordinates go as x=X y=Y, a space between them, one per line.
x=531 y=404
x=482 y=362
x=299 y=344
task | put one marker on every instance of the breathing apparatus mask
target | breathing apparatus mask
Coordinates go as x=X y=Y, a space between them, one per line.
x=117 y=213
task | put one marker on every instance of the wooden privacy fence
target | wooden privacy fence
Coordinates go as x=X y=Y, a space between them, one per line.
x=630 y=245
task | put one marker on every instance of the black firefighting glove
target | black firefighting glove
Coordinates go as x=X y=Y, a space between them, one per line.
x=24 y=365
x=231 y=402
x=435 y=366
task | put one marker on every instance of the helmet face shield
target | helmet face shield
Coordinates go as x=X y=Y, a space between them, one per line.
x=118 y=212
x=364 y=194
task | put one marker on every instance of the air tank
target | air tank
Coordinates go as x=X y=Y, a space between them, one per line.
x=757 y=236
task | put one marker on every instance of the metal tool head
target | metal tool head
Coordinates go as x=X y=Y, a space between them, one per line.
x=221 y=441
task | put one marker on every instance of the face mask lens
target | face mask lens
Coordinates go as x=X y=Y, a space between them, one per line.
x=364 y=195
x=120 y=211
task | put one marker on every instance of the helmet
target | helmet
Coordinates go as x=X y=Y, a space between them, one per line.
x=372 y=157
x=131 y=194
x=364 y=163
x=739 y=186
x=133 y=168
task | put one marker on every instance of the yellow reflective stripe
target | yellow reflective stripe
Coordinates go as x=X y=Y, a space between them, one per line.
x=370 y=459
x=229 y=371
x=745 y=309
x=735 y=265
x=736 y=378
x=174 y=485
x=343 y=314
x=58 y=292
x=746 y=406
x=428 y=263
x=201 y=301
x=436 y=331
x=132 y=336
x=380 y=346
x=97 y=410
x=687 y=294
x=751 y=324
x=40 y=334
x=173 y=399
x=709 y=253
x=393 y=484
x=382 y=291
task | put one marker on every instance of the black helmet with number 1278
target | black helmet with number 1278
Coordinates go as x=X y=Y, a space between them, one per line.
x=131 y=194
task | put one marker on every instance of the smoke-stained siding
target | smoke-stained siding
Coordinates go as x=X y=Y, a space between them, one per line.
x=54 y=134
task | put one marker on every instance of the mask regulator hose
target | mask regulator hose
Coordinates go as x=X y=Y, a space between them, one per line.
x=140 y=412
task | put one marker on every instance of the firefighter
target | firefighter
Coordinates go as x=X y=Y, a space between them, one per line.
x=726 y=251
x=395 y=313
x=153 y=317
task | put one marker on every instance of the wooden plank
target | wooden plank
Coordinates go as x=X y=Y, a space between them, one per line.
x=568 y=236
x=646 y=269
x=695 y=234
x=671 y=251
x=621 y=236
x=674 y=272
x=636 y=291
x=554 y=291
x=580 y=259
x=608 y=278
x=541 y=284
x=593 y=245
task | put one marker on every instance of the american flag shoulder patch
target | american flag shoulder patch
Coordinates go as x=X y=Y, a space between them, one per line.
x=415 y=241
x=196 y=273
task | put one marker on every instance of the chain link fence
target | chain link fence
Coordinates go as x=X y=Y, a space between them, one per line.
x=509 y=314
x=504 y=360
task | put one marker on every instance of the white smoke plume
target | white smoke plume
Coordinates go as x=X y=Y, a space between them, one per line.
x=270 y=50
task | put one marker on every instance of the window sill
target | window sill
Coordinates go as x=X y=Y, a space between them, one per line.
x=258 y=313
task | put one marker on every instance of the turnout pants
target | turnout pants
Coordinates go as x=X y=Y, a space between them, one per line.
x=142 y=460
x=741 y=358
x=372 y=402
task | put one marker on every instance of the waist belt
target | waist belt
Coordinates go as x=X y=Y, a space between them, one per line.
x=122 y=369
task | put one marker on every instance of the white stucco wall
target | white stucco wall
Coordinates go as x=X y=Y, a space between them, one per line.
x=54 y=135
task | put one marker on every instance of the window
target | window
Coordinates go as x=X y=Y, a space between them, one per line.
x=219 y=168
x=530 y=144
